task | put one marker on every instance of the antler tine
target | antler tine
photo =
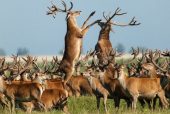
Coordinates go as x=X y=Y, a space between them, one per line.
x=65 y=6
x=105 y=16
x=70 y=6
x=55 y=59
x=166 y=53
x=163 y=70
x=134 y=22
x=157 y=54
x=151 y=54
x=142 y=58
x=117 y=12
x=135 y=52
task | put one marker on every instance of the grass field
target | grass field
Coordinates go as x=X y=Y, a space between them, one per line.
x=87 y=105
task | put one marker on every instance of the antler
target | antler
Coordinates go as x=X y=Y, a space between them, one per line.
x=117 y=12
x=133 y=22
x=106 y=17
x=54 y=9
x=153 y=59
x=135 y=53
x=166 y=53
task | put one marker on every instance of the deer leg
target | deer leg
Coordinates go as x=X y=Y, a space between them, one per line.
x=154 y=103
x=163 y=99
x=98 y=103
x=142 y=102
x=85 y=22
x=149 y=102
x=129 y=103
x=84 y=31
x=4 y=101
x=117 y=102
x=104 y=101
x=68 y=76
x=13 y=106
x=135 y=98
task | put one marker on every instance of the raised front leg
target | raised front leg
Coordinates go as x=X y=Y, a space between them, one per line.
x=85 y=22
x=84 y=31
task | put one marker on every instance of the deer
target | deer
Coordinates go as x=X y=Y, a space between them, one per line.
x=106 y=74
x=104 y=46
x=21 y=92
x=98 y=89
x=164 y=76
x=73 y=38
x=141 y=87
x=51 y=98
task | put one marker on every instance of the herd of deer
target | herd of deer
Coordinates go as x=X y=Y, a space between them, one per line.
x=26 y=84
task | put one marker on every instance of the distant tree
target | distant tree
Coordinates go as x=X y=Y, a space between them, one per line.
x=2 y=52
x=61 y=52
x=120 y=48
x=22 y=51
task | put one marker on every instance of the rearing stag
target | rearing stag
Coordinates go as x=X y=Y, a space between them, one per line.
x=73 y=38
x=104 y=46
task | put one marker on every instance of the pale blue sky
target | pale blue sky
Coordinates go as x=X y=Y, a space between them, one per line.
x=24 y=23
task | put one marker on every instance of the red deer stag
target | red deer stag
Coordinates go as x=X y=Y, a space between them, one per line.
x=141 y=87
x=73 y=38
x=51 y=98
x=104 y=45
x=21 y=92
x=98 y=89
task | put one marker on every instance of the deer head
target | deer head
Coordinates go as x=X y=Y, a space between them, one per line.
x=107 y=25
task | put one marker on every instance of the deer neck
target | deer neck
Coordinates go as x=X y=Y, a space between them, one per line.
x=102 y=77
x=107 y=77
x=153 y=73
x=91 y=81
x=105 y=33
x=2 y=84
x=71 y=23
x=122 y=79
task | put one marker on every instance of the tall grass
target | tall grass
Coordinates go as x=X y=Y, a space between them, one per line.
x=87 y=105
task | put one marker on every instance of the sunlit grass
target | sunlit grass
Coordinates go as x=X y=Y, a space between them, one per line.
x=87 y=105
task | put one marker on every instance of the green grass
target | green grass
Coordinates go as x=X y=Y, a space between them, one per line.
x=87 y=105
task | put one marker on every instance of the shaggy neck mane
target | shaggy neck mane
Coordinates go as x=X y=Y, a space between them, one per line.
x=122 y=78
x=2 y=84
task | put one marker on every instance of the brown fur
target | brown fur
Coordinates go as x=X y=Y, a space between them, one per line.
x=51 y=98
x=73 y=44
x=3 y=100
x=58 y=84
x=104 y=45
x=113 y=86
x=80 y=85
x=163 y=79
x=141 y=87
x=98 y=90
x=21 y=92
